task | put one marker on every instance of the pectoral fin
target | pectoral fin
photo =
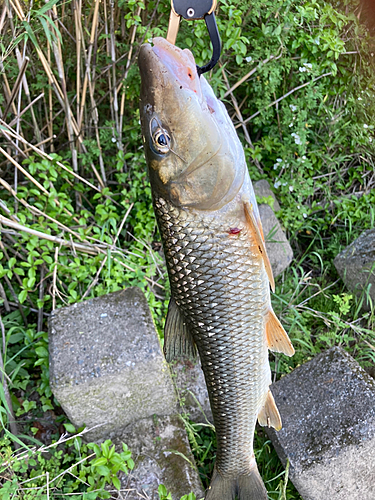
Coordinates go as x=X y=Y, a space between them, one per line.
x=257 y=233
x=269 y=415
x=277 y=338
x=178 y=341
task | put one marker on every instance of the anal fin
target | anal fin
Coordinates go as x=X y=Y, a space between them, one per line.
x=277 y=338
x=258 y=236
x=178 y=341
x=269 y=415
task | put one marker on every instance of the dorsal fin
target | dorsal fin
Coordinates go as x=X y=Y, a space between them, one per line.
x=257 y=232
x=269 y=415
x=178 y=341
x=277 y=338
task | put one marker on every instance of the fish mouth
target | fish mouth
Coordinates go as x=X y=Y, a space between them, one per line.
x=161 y=62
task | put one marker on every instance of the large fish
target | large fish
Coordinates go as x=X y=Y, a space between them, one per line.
x=217 y=262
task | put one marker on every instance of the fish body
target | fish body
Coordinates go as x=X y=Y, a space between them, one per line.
x=217 y=263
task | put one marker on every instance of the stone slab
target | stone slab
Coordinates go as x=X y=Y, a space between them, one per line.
x=328 y=410
x=356 y=266
x=106 y=364
x=192 y=390
x=278 y=248
x=159 y=445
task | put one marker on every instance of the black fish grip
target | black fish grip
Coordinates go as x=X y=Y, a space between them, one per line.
x=192 y=10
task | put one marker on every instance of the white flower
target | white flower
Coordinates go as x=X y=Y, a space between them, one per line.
x=302 y=69
x=303 y=157
x=291 y=188
x=113 y=139
x=317 y=41
x=359 y=98
x=365 y=125
x=277 y=184
x=291 y=124
x=279 y=160
x=297 y=138
x=308 y=65
x=370 y=139
x=248 y=59
x=292 y=107
x=305 y=215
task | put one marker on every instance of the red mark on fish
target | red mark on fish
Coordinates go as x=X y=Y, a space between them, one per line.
x=234 y=230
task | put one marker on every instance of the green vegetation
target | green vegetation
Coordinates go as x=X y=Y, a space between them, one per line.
x=75 y=204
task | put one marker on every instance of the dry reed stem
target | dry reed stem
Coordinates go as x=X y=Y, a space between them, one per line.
x=11 y=417
x=239 y=116
x=47 y=156
x=284 y=96
x=87 y=248
x=250 y=73
x=29 y=106
x=16 y=86
x=88 y=63
x=95 y=280
x=54 y=276
x=36 y=211
x=4 y=297
x=41 y=296
x=122 y=108
x=34 y=181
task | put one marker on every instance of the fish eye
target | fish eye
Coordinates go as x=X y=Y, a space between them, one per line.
x=161 y=141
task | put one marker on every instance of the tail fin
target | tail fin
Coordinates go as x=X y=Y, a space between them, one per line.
x=221 y=488
x=249 y=487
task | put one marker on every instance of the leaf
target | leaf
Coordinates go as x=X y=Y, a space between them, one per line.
x=22 y=296
x=30 y=33
x=41 y=352
x=47 y=6
x=99 y=461
x=116 y=482
x=70 y=428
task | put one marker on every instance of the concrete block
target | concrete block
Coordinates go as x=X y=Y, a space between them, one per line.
x=106 y=364
x=328 y=411
x=356 y=266
x=278 y=248
x=159 y=445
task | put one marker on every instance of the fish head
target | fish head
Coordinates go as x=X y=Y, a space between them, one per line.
x=194 y=156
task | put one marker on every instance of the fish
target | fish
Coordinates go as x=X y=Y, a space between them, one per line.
x=219 y=272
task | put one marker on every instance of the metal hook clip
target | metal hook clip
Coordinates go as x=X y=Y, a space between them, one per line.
x=192 y=10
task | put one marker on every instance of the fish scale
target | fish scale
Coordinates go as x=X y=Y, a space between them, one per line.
x=225 y=307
